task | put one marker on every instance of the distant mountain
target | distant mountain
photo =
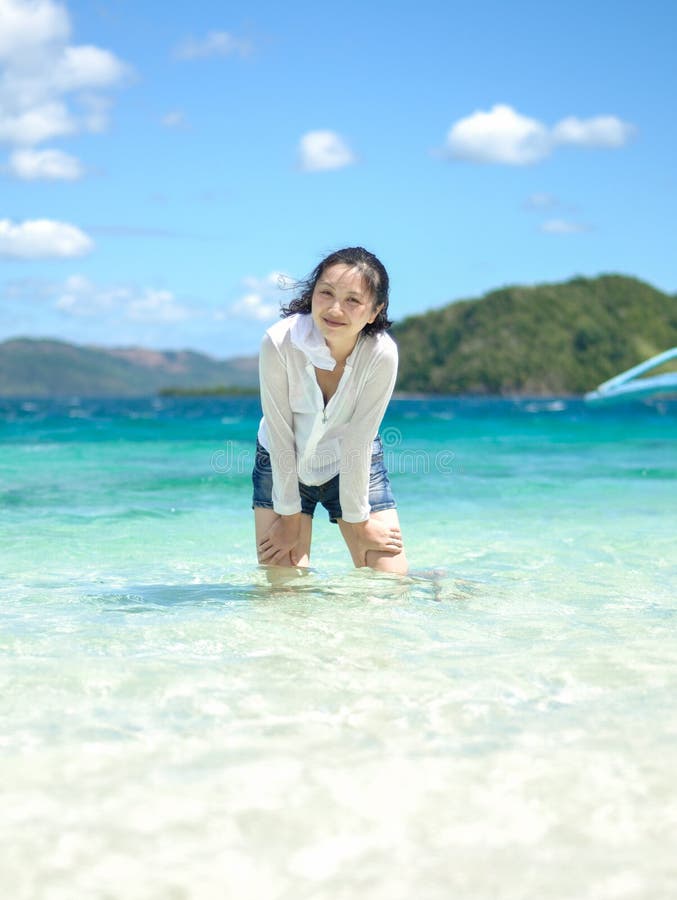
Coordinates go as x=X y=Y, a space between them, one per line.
x=548 y=339
x=43 y=368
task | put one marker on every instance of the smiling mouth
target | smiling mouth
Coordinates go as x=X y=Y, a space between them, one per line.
x=332 y=323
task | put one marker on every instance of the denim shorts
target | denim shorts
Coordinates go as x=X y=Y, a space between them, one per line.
x=380 y=494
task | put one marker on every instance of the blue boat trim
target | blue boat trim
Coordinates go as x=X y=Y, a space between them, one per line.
x=628 y=386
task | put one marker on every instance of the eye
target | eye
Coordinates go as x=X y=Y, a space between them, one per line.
x=354 y=301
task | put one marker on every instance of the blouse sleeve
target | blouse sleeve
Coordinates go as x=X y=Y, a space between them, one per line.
x=359 y=435
x=279 y=418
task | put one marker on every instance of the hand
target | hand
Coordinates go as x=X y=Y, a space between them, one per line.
x=280 y=541
x=376 y=535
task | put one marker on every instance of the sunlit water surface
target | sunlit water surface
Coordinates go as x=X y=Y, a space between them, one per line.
x=500 y=724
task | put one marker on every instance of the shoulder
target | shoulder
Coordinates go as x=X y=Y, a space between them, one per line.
x=386 y=344
x=380 y=349
x=278 y=334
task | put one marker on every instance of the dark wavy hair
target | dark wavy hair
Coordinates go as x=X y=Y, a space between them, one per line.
x=371 y=269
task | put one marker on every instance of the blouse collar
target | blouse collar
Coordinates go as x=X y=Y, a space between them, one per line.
x=305 y=335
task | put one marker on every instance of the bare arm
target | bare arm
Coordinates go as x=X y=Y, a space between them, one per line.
x=359 y=435
x=280 y=428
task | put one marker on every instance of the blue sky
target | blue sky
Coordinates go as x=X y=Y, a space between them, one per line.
x=162 y=166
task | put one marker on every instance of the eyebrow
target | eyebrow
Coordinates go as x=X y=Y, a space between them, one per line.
x=333 y=287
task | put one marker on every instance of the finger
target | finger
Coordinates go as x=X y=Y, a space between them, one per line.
x=268 y=544
x=272 y=559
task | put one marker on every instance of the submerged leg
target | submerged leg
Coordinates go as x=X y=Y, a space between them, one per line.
x=379 y=560
x=265 y=518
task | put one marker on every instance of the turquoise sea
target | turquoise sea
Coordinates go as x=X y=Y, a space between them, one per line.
x=499 y=725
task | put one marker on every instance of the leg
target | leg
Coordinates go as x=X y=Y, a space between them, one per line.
x=377 y=560
x=264 y=518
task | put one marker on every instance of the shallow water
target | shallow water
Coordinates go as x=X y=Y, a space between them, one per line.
x=499 y=724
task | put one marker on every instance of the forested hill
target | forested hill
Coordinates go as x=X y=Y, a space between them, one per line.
x=561 y=338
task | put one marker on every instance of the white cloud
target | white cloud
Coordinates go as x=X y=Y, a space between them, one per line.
x=32 y=126
x=95 y=110
x=499 y=136
x=541 y=201
x=216 y=43
x=323 y=150
x=156 y=306
x=42 y=239
x=253 y=306
x=175 y=118
x=27 y=289
x=562 y=226
x=504 y=136
x=601 y=131
x=81 y=298
x=86 y=68
x=262 y=300
x=25 y=26
x=50 y=165
x=48 y=87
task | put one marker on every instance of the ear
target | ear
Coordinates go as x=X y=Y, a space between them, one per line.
x=372 y=317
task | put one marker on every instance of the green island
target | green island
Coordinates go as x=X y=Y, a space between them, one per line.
x=219 y=390
x=549 y=339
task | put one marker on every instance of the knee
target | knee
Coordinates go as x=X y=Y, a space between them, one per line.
x=385 y=562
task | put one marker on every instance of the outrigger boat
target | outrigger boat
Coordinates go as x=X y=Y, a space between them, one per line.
x=628 y=386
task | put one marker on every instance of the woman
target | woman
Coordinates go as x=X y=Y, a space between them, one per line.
x=327 y=372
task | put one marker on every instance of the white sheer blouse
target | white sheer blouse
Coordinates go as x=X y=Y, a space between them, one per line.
x=311 y=442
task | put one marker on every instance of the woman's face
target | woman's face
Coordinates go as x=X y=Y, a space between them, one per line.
x=342 y=303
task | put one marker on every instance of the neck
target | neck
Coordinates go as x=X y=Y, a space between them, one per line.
x=340 y=351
